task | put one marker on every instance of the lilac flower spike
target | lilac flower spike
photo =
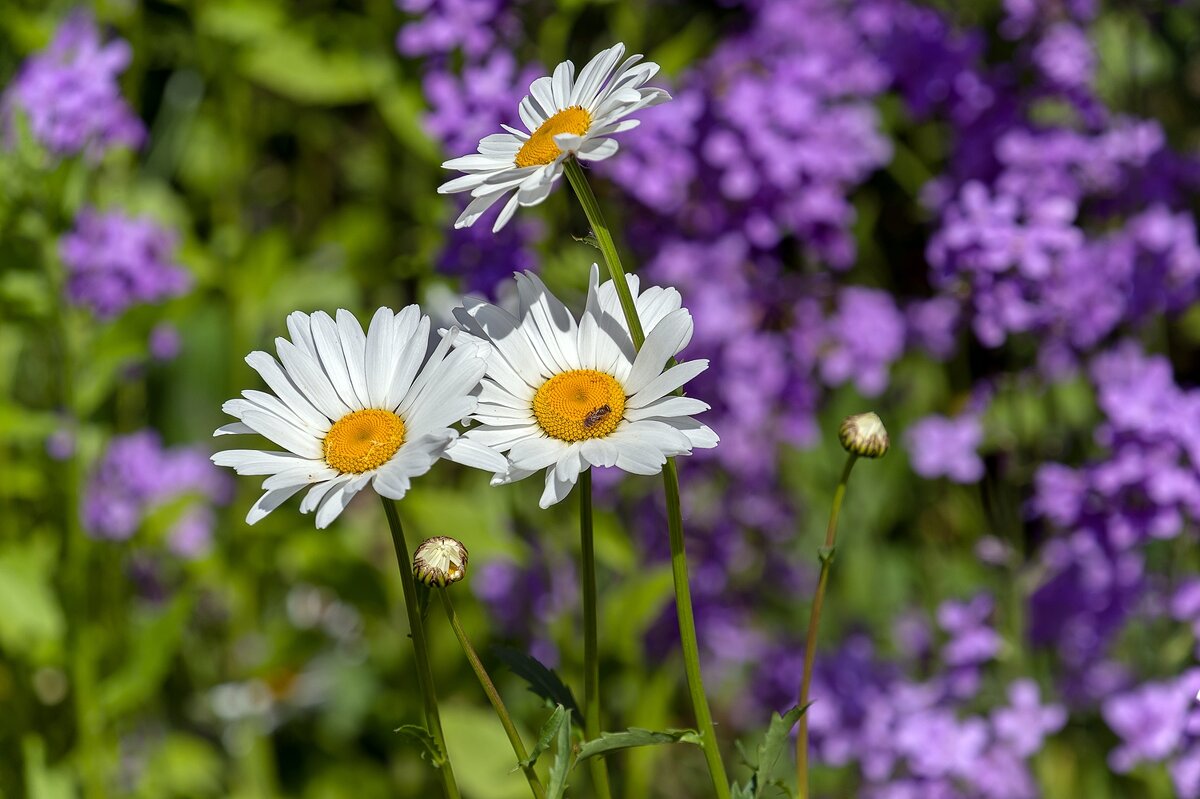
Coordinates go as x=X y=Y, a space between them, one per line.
x=114 y=261
x=70 y=94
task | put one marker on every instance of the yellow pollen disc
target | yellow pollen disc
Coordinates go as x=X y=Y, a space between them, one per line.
x=541 y=149
x=579 y=404
x=363 y=440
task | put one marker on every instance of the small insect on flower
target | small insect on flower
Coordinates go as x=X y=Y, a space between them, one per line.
x=594 y=418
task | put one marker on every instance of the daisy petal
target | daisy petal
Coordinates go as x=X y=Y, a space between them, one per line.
x=661 y=344
x=667 y=382
x=270 y=501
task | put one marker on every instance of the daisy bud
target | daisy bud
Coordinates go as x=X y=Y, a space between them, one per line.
x=439 y=561
x=863 y=434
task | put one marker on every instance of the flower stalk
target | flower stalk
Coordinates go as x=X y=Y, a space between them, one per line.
x=679 y=566
x=489 y=688
x=814 y=621
x=420 y=649
x=591 y=655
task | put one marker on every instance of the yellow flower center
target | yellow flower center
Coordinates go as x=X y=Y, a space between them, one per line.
x=579 y=404
x=363 y=440
x=541 y=149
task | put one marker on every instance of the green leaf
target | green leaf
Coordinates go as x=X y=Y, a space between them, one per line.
x=184 y=765
x=422 y=739
x=742 y=791
x=291 y=65
x=32 y=623
x=482 y=756
x=549 y=731
x=772 y=746
x=633 y=737
x=541 y=679
x=401 y=107
x=42 y=782
x=557 y=785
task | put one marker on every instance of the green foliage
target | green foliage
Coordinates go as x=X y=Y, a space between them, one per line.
x=541 y=680
x=421 y=738
x=609 y=742
x=32 y=623
x=767 y=755
x=561 y=768
x=548 y=734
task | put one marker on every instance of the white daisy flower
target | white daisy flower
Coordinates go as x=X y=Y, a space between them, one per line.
x=351 y=409
x=563 y=397
x=564 y=117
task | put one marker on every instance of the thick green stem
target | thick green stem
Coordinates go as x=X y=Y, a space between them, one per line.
x=420 y=649
x=679 y=568
x=493 y=696
x=591 y=650
x=814 y=621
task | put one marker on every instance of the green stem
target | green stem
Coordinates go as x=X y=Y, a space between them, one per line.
x=76 y=557
x=420 y=649
x=814 y=621
x=493 y=696
x=604 y=239
x=591 y=655
x=679 y=568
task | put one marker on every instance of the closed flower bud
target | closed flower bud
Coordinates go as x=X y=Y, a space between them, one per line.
x=439 y=561
x=863 y=434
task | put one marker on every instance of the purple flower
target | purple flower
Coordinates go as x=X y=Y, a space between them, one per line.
x=866 y=335
x=1157 y=721
x=443 y=26
x=115 y=261
x=191 y=536
x=70 y=95
x=1065 y=56
x=165 y=342
x=943 y=447
x=1025 y=722
x=933 y=326
x=137 y=474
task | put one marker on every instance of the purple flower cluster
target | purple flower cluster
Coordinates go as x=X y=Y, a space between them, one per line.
x=1144 y=488
x=1026 y=236
x=768 y=134
x=70 y=95
x=917 y=738
x=942 y=447
x=443 y=26
x=137 y=474
x=114 y=261
x=1159 y=722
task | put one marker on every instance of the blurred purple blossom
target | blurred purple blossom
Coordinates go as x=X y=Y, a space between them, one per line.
x=70 y=94
x=1157 y=722
x=942 y=447
x=114 y=261
x=137 y=474
x=866 y=334
x=442 y=26
x=165 y=342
